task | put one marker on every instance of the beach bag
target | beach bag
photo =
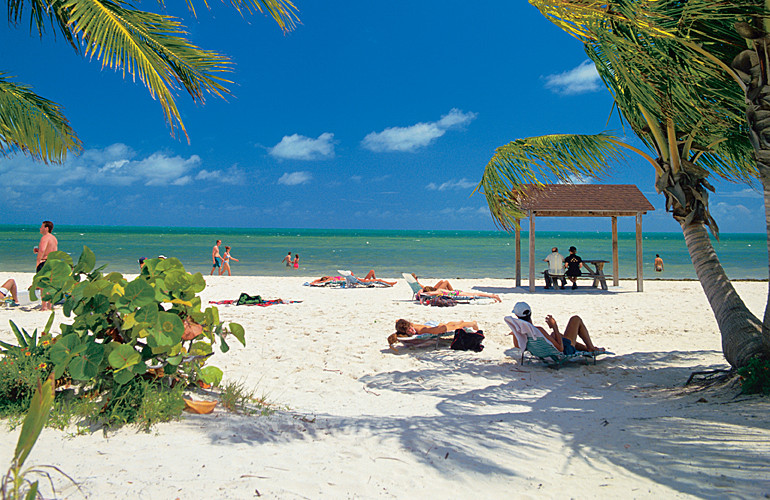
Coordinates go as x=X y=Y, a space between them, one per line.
x=247 y=300
x=468 y=340
x=440 y=301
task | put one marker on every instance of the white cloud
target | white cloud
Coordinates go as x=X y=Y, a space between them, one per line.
x=111 y=166
x=579 y=80
x=743 y=193
x=295 y=178
x=415 y=136
x=232 y=175
x=451 y=185
x=299 y=147
x=63 y=194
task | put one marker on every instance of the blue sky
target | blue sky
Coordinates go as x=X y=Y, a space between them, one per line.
x=369 y=115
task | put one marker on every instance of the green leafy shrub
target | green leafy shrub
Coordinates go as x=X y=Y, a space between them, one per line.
x=132 y=346
x=22 y=368
x=122 y=330
x=755 y=377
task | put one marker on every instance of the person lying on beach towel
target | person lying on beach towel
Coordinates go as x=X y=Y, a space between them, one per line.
x=406 y=328
x=460 y=293
x=370 y=278
x=327 y=281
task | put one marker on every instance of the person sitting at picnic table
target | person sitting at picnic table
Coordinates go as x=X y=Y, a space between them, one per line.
x=555 y=266
x=565 y=342
x=460 y=293
x=406 y=328
x=573 y=263
x=440 y=285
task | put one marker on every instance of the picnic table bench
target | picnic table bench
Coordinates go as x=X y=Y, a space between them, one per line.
x=596 y=272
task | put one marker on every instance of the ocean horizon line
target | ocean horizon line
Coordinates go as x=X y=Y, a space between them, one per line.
x=207 y=229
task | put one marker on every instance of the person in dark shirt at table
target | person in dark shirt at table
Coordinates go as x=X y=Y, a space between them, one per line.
x=573 y=263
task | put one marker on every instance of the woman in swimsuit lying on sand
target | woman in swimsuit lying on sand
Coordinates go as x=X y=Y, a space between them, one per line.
x=461 y=293
x=369 y=278
x=404 y=327
x=440 y=285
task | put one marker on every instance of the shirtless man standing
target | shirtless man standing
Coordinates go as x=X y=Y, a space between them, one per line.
x=215 y=258
x=48 y=243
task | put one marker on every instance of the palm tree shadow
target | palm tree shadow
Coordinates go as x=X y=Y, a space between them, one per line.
x=628 y=411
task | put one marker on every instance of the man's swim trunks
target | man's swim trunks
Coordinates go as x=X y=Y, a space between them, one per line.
x=217 y=263
x=39 y=267
x=568 y=347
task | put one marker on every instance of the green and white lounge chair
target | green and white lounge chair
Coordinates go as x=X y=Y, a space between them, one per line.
x=455 y=294
x=531 y=340
x=416 y=288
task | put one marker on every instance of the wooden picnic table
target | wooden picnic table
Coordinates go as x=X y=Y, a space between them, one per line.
x=597 y=273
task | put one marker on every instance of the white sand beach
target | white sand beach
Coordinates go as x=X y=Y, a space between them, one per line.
x=355 y=420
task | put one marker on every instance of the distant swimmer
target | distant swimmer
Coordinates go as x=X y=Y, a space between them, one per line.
x=48 y=243
x=287 y=259
x=216 y=260
x=296 y=261
x=658 y=264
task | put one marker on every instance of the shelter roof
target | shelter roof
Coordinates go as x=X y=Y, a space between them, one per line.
x=585 y=199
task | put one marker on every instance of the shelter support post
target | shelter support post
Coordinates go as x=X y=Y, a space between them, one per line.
x=615 y=262
x=639 y=279
x=518 y=255
x=532 y=251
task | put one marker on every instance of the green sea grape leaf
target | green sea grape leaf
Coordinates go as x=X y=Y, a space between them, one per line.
x=238 y=332
x=212 y=316
x=85 y=365
x=123 y=376
x=99 y=304
x=123 y=356
x=61 y=351
x=60 y=256
x=176 y=280
x=116 y=278
x=198 y=283
x=175 y=360
x=139 y=369
x=201 y=348
x=171 y=325
x=223 y=345
x=86 y=262
x=139 y=293
x=211 y=375
x=147 y=314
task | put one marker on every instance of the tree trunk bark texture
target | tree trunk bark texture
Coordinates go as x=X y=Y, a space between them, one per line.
x=751 y=66
x=741 y=330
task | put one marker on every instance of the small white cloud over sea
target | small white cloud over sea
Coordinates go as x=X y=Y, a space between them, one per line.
x=295 y=178
x=299 y=147
x=580 y=80
x=415 y=136
x=451 y=185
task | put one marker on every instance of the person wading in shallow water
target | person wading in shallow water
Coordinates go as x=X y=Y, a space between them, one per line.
x=48 y=243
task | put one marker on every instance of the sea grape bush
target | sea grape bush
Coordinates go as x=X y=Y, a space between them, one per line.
x=152 y=326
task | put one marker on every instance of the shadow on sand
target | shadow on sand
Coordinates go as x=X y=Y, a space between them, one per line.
x=629 y=411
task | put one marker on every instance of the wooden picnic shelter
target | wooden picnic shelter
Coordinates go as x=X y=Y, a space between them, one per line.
x=583 y=200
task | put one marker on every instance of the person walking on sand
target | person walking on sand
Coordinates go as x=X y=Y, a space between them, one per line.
x=658 y=264
x=215 y=258
x=48 y=243
x=226 y=262
x=296 y=261
x=287 y=259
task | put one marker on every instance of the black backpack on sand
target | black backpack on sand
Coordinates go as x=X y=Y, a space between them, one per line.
x=468 y=341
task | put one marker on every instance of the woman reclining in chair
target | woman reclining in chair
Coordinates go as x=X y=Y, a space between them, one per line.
x=567 y=342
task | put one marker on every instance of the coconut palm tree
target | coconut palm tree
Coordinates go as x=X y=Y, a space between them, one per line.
x=689 y=120
x=148 y=46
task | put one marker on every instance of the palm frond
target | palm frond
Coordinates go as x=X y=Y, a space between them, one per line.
x=539 y=160
x=150 y=47
x=33 y=125
x=41 y=12
x=284 y=12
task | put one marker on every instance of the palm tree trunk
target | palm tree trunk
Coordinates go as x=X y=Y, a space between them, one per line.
x=741 y=330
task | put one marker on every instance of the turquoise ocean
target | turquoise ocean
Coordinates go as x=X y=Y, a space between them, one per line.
x=434 y=254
